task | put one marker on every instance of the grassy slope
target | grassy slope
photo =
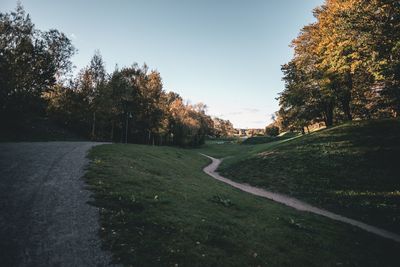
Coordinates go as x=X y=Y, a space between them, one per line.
x=255 y=140
x=352 y=169
x=159 y=209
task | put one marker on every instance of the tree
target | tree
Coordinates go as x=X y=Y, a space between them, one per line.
x=31 y=61
x=97 y=75
x=128 y=105
x=346 y=64
x=272 y=130
x=223 y=128
x=374 y=27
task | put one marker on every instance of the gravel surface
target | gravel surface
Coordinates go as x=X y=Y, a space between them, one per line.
x=45 y=218
x=293 y=202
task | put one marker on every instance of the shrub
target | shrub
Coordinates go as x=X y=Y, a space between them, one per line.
x=272 y=131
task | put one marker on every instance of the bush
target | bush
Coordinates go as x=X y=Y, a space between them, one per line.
x=272 y=131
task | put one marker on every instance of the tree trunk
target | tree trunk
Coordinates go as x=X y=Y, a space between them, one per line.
x=346 y=98
x=126 y=129
x=112 y=131
x=328 y=114
x=347 y=110
x=149 y=138
x=94 y=125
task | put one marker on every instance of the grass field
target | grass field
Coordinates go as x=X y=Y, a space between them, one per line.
x=352 y=169
x=159 y=209
x=255 y=140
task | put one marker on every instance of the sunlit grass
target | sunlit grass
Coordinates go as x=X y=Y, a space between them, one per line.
x=159 y=209
x=351 y=169
x=367 y=193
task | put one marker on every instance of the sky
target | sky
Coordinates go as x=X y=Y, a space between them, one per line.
x=224 y=53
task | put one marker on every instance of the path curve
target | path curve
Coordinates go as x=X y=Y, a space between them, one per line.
x=293 y=202
x=45 y=218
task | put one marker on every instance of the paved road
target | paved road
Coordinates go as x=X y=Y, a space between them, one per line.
x=294 y=203
x=44 y=216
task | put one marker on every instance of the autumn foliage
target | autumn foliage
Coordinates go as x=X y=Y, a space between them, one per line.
x=346 y=65
x=127 y=105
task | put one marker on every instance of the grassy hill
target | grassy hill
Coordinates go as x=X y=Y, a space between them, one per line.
x=159 y=209
x=352 y=169
x=255 y=140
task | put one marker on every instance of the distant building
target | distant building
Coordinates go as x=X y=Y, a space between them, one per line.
x=249 y=132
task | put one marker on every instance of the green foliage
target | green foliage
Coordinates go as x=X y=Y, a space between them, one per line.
x=159 y=209
x=31 y=62
x=272 y=130
x=128 y=105
x=346 y=65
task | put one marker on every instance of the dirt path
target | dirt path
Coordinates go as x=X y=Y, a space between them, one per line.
x=45 y=219
x=294 y=203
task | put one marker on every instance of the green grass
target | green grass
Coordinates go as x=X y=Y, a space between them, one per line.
x=159 y=209
x=232 y=151
x=352 y=169
x=255 y=140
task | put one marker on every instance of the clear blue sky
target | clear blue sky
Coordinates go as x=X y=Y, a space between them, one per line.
x=226 y=54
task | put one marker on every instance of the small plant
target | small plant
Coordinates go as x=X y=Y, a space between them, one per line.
x=272 y=131
x=297 y=224
x=221 y=200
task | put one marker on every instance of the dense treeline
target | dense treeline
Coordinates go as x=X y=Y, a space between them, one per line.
x=31 y=62
x=128 y=105
x=346 y=65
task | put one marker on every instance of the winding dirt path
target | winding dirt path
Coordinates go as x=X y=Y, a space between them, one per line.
x=294 y=203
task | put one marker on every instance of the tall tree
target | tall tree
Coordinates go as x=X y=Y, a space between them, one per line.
x=346 y=64
x=97 y=74
x=29 y=63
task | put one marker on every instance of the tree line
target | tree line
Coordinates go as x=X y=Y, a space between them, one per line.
x=127 y=105
x=346 y=65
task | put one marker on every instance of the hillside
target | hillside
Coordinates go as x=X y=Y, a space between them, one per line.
x=352 y=169
x=255 y=140
x=158 y=208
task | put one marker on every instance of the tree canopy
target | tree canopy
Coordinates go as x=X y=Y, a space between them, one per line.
x=127 y=105
x=346 y=65
x=31 y=62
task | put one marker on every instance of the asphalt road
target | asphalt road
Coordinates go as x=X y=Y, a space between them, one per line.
x=45 y=218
